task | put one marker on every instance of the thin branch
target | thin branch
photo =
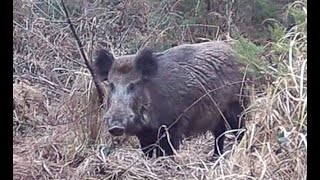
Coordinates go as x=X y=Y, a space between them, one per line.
x=84 y=57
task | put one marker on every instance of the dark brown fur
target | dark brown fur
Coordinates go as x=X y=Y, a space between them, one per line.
x=148 y=90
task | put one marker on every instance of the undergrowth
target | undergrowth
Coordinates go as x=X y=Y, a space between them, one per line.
x=58 y=131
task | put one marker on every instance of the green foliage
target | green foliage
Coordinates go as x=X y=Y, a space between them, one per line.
x=277 y=31
x=249 y=54
x=265 y=9
x=299 y=17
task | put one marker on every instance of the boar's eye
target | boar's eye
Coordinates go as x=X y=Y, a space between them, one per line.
x=111 y=86
x=131 y=87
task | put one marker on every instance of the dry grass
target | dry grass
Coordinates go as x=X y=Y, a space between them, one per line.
x=58 y=133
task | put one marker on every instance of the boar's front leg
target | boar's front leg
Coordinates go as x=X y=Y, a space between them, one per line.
x=147 y=140
x=219 y=141
x=233 y=119
x=165 y=149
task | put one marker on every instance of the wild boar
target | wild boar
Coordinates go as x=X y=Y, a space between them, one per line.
x=184 y=91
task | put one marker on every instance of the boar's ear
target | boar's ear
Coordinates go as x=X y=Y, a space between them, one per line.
x=146 y=63
x=102 y=64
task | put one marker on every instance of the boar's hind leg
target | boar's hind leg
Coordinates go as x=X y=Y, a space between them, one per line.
x=219 y=137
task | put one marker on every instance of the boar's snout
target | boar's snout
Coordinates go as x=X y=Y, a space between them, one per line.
x=117 y=125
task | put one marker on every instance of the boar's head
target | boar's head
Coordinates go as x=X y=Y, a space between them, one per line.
x=128 y=98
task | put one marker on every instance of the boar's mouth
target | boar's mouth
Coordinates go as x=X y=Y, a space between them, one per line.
x=116 y=130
